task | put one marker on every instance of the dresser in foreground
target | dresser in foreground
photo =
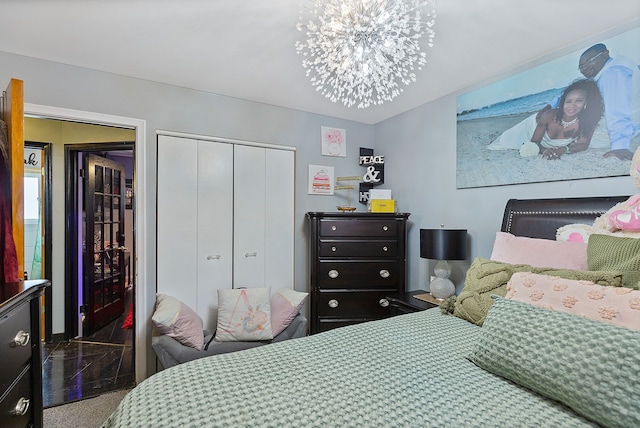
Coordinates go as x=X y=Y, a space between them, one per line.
x=356 y=260
x=21 y=366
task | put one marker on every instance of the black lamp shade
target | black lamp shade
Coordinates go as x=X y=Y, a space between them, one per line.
x=443 y=244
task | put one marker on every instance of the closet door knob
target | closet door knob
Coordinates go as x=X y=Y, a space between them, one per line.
x=333 y=274
x=333 y=303
x=21 y=339
x=384 y=303
x=384 y=273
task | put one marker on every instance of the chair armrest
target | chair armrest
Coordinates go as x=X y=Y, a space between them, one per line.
x=297 y=328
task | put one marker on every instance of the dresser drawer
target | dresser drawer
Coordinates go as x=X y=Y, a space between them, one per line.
x=358 y=227
x=370 y=248
x=366 y=305
x=354 y=275
x=16 y=324
x=14 y=400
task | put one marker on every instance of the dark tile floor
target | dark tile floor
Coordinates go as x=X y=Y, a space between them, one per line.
x=87 y=367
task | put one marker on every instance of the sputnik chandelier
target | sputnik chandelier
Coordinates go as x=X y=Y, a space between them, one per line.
x=360 y=51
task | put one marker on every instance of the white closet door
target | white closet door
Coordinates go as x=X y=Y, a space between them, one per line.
x=280 y=191
x=249 y=216
x=215 y=225
x=177 y=229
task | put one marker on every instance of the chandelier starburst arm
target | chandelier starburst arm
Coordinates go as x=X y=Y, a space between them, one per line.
x=360 y=51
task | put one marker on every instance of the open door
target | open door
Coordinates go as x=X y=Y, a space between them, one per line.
x=103 y=262
x=13 y=115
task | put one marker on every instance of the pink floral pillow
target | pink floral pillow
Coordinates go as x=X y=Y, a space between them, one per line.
x=244 y=314
x=614 y=305
x=508 y=248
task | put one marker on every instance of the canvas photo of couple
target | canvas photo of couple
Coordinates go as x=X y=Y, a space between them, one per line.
x=575 y=117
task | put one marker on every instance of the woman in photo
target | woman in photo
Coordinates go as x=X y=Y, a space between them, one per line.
x=563 y=130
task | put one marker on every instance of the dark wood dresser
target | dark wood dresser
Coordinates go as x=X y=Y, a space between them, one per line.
x=356 y=260
x=21 y=366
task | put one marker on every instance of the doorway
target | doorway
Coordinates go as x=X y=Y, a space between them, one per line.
x=79 y=363
x=144 y=359
x=97 y=353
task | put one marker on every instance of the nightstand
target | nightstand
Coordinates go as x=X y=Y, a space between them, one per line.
x=405 y=303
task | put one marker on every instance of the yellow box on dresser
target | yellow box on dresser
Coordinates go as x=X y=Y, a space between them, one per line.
x=382 y=206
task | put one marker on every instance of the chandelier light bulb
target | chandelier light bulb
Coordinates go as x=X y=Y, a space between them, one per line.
x=360 y=52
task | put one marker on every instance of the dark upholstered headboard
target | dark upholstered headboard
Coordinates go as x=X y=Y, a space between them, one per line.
x=540 y=218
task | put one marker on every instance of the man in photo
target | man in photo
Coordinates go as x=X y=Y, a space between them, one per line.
x=618 y=79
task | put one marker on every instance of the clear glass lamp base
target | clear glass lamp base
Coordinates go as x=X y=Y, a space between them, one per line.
x=441 y=286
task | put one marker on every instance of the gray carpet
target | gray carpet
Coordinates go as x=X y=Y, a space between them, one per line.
x=89 y=413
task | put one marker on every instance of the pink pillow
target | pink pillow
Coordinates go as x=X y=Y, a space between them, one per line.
x=614 y=305
x=512 y=249
x=285 y=305
x=175 y=319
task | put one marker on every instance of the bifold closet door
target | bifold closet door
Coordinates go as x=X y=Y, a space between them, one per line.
x=177 y=230
x=195 y=221
x=249 y=208
x=263 y=217
x=215 y=225
x=280 y=213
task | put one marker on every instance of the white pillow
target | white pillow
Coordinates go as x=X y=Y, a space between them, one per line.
x=244 y=314
x=175 y=319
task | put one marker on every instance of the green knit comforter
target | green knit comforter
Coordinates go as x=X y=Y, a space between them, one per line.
x=406 y=371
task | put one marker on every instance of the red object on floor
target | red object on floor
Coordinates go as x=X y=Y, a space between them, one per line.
x=128 y=322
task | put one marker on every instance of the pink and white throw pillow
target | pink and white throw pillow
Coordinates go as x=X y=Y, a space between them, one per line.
x=614 y=305
x=244 y=314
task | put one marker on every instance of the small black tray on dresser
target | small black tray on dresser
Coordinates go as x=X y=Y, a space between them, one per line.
x=406 y=303
x=356 y=260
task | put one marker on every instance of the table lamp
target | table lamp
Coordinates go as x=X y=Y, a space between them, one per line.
x=442 y=245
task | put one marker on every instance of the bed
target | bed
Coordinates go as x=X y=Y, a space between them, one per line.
x=411 y=370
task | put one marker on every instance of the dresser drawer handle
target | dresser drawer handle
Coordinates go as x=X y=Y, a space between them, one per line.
x=334 y=228
x=384 y=303
x=333 y=274
x=385 y=228
x=22 y=406
x=213 y=257
x=334 y=249
x=21 y=339
x=254 y=254
x=333 y=303
x=385 y=249
x=384 y=273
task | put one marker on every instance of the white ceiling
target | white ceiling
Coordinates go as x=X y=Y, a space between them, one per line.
x=246 y=48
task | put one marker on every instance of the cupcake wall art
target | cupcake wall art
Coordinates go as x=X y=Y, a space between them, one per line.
x=321 y=180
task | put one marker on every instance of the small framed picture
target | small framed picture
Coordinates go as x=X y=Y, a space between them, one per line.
x=321 y=180
x=334 y=142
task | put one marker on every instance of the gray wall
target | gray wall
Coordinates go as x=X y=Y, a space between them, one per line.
x=165 y=107
x=419 y=148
